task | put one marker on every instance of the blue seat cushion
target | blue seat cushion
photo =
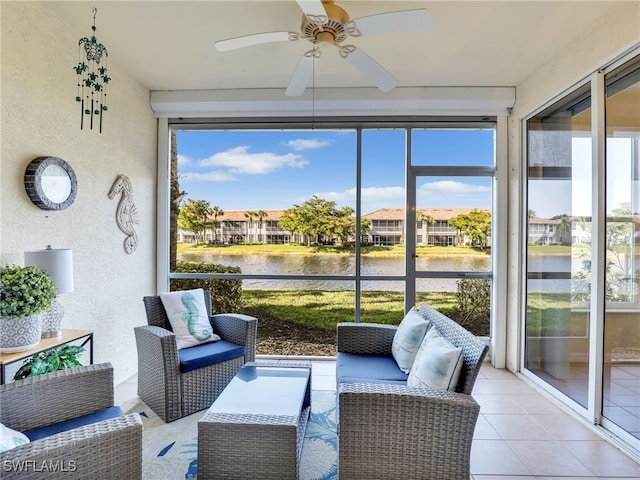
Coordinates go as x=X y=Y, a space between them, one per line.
x=361 y=368
x=208 y=354
x=95 y=417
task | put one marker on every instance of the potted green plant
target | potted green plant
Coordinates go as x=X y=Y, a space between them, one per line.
x=57 y=358
x=25 y=292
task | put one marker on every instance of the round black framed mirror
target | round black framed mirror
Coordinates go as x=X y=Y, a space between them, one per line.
x=50 y=183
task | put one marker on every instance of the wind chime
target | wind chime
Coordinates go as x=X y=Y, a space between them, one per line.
x=92 y=78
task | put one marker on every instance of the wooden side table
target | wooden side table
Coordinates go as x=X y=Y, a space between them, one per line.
x=68 y=336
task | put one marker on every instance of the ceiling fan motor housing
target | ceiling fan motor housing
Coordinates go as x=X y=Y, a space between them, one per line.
x=326 y=30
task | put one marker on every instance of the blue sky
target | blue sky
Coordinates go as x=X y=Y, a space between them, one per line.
x=253 y=170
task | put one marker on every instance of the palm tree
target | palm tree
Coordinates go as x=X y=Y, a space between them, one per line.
x=176 y=196
x=250 y=214
x=261 y=214
x=217 y=212
x=565 y=229
x=428 y=219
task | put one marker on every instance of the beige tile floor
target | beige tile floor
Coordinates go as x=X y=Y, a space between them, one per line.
x=520 y=434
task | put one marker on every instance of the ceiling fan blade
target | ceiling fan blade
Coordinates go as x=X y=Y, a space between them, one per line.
x=371 y=69
x=254 y=39
x=418 y=20
x=312 y=8
x=301 y=76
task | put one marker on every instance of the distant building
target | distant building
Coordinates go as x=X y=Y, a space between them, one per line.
x=236 y=227
x=386 y=228
x=543 y=231
x=573 y=230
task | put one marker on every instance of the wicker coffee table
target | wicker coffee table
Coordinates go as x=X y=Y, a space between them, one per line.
x=255 y=428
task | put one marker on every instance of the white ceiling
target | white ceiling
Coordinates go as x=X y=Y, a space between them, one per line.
x=169 y=45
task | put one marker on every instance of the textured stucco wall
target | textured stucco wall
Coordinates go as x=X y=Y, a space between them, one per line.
x=41 y=117
x=613 y=35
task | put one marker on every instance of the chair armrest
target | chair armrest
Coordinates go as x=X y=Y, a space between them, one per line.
x=394 y=431
x=108 y=450
x=57 y=396
x=372 y=338
x=157 y=346
x=237 y=328
x=159 y=371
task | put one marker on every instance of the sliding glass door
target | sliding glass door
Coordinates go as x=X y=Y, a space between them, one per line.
x=621 y=372
x=582 y=311
x=559 y=245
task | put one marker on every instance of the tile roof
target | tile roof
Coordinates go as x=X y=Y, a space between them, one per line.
x=435 y=213
x=239 y=215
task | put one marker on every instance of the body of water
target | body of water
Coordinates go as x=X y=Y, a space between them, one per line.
x=345 y=265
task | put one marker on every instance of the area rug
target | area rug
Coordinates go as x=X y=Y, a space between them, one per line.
x=170 y=450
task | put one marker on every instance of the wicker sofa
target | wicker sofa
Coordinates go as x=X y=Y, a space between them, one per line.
x=389 y=430
x=165 y=385
x=70 y=401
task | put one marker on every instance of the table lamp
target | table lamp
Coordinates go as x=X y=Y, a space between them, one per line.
x=58 y=263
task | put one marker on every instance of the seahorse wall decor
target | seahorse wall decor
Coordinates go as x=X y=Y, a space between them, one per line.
x=126 y=213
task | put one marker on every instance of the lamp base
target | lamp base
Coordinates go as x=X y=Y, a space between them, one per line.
x=52 y=319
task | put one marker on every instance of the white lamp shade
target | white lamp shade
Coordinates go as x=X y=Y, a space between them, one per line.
x=58 y=263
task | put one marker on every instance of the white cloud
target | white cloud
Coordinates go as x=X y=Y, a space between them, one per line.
x=450 y=187
x=441 y=194
x=372 y=198
x=368 y=194
x=184 y=160
x=307 y=144
x=382 y=193
x=212 y=176
x=239 y=160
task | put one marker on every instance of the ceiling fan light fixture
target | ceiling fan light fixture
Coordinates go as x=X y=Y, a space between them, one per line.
x=325 y=37
x=324 y=23
x=314 y=28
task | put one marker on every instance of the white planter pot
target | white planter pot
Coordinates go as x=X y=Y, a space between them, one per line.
x=20 y=334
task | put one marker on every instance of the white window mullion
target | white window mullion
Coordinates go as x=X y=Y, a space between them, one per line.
x=598 y=246
x=410 y=229
x=500 y=236
x=162 y=197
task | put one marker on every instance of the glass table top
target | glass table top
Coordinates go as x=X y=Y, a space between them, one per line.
x=264 y=391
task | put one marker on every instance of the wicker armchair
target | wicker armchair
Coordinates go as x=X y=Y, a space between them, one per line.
x=162 y=385
x=108 y=450
x=395 y=431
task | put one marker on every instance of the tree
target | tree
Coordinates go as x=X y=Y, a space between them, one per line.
x=249 y=214
x=343 y=225
x=195 y=215
x=261 y=214
x=564 y=228
x=476 y=225
x=314 y=219
x=427 y=219
x=175 y=197
x=217 y=212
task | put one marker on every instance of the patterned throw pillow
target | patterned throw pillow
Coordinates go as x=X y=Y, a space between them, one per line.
x=188 y=317
x=437 y=364
x=10 y=438
x=408 y=338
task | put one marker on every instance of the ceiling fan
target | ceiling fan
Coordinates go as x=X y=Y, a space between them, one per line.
x=324 y=23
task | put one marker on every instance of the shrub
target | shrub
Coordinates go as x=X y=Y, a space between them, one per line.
x=226 y=295
x=474 y=304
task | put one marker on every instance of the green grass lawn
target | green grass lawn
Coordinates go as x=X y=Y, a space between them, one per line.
x=324 y=309
x=549 y=249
